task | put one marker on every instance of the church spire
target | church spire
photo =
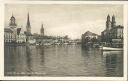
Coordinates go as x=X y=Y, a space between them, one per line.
x=28 y=26
x=28 y=21
x=42 y=30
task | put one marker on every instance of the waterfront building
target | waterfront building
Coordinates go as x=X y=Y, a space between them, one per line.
x=13 y=33
x=42 y=40
x=10 y=32
x=29 y=38
x=117 y=32
x=89 y=39
x=9 y=36
x=21 y=37
x=113 y=33
x=38 y=38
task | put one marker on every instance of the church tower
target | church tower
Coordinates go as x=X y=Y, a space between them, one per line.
x=12 y=23
x=28 y=26
x=42 y=30
x=113 y=21
x=108 y=23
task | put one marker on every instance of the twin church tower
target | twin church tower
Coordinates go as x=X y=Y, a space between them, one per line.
x=110 y=24
x=13 y=24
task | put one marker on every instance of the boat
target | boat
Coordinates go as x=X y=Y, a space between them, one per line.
x=47 y=44
x=111 y=49
x=65 y=43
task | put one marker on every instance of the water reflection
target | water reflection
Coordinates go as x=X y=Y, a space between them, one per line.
x=93 y=59
x=113 y=63
x=28 y=60
x=68 y=60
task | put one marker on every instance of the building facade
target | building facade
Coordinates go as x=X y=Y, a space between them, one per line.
x=10 y=32
x=113 y=33
x=13 y=34
x=89 y=39
x=21 y=37
x=9 y=36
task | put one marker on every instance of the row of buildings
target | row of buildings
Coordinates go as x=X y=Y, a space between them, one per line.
x=111 y=36
x=16 y=35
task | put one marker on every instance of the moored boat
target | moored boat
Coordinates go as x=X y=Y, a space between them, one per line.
x=111 y=49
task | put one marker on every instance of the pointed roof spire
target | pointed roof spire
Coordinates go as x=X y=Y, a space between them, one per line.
x=108 y=17
x=42 y=30
x=28 y=21
x=42 y=27
x=113 y=16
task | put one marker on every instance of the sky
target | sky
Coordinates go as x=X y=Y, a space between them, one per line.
x=64 y=19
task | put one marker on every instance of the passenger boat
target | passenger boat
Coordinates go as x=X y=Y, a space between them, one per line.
x=111 y=49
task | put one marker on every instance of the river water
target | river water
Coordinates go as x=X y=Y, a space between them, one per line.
x=63 y=60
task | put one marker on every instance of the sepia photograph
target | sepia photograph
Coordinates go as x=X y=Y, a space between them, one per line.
x=65 y=0
x=63 y=80
x=64 y=40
